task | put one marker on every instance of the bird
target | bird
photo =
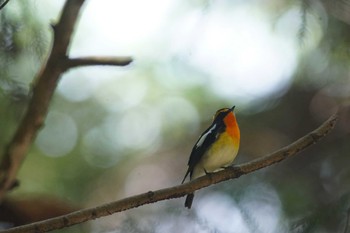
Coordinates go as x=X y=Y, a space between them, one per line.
x=215 y=149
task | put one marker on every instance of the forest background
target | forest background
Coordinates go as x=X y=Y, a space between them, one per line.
x=112 y=132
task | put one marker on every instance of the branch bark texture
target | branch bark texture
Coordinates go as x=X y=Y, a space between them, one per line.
x=181 y=190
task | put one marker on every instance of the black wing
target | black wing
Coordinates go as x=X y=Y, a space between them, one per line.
x=202 y=145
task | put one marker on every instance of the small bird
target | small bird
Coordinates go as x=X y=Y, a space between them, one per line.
x=215 y=149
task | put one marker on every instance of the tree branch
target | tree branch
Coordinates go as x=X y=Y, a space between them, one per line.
x=181 y=190
x=96 y=61
x=43 y=89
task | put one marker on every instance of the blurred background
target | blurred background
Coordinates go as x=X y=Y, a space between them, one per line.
x=113 y=132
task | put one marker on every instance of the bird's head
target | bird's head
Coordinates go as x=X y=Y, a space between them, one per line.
x=222 y=113
x=226 y=117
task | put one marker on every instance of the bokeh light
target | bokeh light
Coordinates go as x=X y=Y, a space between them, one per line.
x=221 y=213
x=59 y=135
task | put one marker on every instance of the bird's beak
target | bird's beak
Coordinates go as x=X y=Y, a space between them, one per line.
x=233 y=108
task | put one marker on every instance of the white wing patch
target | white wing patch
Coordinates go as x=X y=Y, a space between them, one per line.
x=204 y=136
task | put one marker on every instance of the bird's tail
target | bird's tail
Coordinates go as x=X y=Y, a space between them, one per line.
x=189 y=200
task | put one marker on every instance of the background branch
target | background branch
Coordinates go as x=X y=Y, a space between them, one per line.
x=43 y=89
x=95 y=61
x=4 y=4
x=181 y=190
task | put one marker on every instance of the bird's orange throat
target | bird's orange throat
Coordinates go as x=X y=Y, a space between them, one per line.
x=232 y=127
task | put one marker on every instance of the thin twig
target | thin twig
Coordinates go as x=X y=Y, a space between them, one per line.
x=43 y=89
x=181 y=190
x=4 y=4
x=96 y=61
x=304 y=8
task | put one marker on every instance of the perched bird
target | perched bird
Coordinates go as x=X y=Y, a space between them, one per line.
x=215 y=149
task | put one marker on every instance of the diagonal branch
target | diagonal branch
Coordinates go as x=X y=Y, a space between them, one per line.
x=4 y=4
x=181 y=190
x=43 y=89
x=95 y=61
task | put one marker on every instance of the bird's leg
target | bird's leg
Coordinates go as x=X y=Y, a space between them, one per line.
x=229 y=166
x=208 y=173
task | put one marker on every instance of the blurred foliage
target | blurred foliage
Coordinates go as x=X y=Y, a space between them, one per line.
x=22 y=47
x=115 y=132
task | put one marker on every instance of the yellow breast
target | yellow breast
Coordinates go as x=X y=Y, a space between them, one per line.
x=225 y=148
x=221 y=154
